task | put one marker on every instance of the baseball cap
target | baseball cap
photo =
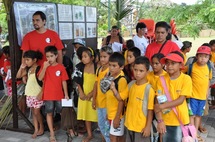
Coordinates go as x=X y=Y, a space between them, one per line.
x=204 y=50
x=79 y=41
x=173 y=57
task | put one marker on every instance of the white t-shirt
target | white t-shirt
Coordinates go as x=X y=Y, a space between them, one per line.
x=140 y=43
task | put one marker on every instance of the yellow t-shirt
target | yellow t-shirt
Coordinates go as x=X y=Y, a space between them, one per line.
x=152 y=78
x=185 y=57
x=134 y=107
x=182 y=86
x=213 y=57
x=111 y=101
x=200 y=77
x=32 y=88
x=126 y=57
x=101 y=98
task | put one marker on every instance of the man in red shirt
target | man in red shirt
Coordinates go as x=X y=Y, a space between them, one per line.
x=41 y=37
x=161 y=44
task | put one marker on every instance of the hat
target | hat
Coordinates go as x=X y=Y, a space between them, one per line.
x=173 y=57
x=204 y=50
x=79 y=41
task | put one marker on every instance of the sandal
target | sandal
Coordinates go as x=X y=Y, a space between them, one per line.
x=200 y=139
x=202 y=130
x=52 y=139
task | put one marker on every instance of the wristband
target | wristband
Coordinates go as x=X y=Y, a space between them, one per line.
x=159 y=121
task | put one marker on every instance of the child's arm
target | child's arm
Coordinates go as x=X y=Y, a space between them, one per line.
x=146 y=131
x=90 y=95
x=161 y=127
x=22 y=71
x=94 y=95
x=115 y=92
x=116 y=120
x=81 y=93
x=42 y=73
x=173 y=103
x=65 y=89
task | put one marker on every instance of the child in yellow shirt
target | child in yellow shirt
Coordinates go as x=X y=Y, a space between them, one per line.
x=179 y=86
x=201 y=76
x=117 y=94
x=99 y=98
x=138 y=128
x=157 y=67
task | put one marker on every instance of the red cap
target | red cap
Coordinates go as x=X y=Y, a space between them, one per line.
x=173 y=57
x=204 y=50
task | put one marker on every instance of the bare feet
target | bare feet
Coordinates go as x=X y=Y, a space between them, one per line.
x=87 y=139
x=34 y=135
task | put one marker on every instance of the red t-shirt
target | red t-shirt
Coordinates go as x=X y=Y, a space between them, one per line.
x=36 y=41
x=53 y=88
x=154 y=47
x=7 y=65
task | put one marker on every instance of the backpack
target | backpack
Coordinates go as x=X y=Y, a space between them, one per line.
x=145 y=97
x=190 y=63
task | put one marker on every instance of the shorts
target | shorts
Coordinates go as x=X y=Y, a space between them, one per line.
x=173 y=134
x=196 y=107
x=132 y=136
x=33 y=102
x=51 y=106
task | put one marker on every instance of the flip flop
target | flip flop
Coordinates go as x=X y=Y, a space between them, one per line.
x=52 y=139
x=203 y=130
x=200 y=139
x=40 y=134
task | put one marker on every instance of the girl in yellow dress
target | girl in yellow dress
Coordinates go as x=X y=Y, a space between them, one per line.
x=85 y=77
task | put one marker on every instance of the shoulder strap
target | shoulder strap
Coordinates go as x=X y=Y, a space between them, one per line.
x=162 y=46
x=36 y=72
x=117 y=80
x=209 y=66
x=108 y=39
x=131 y=83
x=120 y=39
x=98 y=70
x=146 y=99
x=190 y=67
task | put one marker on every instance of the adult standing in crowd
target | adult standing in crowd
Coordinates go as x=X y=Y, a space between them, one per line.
x=161 y=45
x=113 y=37
x=139 y=39
x=41 y=37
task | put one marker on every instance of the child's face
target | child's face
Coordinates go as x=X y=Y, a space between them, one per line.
x=114 y=68
x=86 y=59
x=202 y=59
x=104 y=58
x=213 y=48
x=130 y=57
x=156 y=65
x=173 y=67
x=140 y=71
x=29 y=62
x=51 y=57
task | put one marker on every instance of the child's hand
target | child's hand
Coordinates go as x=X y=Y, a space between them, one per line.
x=39 y=96
x=94 y=104
x=67 y=97
x=116 y=122
x=112 y=86
x=89 y=96
x=82 y=96
x=24 y=79
x=46 y=64
x=161 y=127
x=23 y=65
x=146 y=131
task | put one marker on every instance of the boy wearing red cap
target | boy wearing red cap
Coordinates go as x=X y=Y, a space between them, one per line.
x=179 y=86
x=201 y=76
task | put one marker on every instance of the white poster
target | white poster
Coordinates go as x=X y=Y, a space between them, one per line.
x=91 y=30
x=65 y=31
x=79 y=30
x=78 y=13
x=65 y=12
x=91 y=15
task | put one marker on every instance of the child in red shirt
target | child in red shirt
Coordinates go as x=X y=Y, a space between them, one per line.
x=54 y=78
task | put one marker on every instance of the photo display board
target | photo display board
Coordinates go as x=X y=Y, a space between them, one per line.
x=69 y=21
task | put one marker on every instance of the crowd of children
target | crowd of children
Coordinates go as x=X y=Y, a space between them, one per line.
x=124 y=93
